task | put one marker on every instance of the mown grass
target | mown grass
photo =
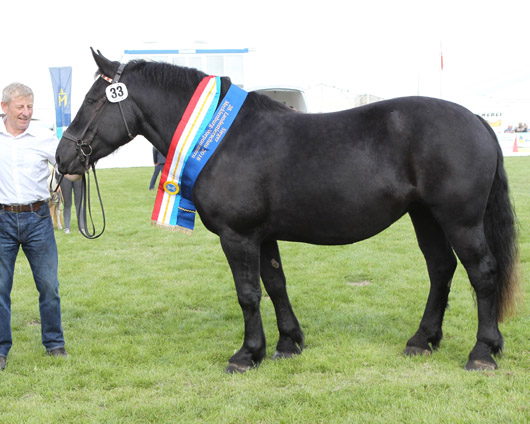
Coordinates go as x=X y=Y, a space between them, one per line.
x=151 y=318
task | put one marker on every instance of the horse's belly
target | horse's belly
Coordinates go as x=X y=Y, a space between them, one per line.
x=339 y=223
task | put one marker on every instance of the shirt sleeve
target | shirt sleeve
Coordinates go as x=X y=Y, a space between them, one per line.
x=51 y=148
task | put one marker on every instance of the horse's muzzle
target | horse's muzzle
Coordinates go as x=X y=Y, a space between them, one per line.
x=73 y=177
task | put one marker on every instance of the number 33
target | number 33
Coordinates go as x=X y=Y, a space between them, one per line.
x=117 y=92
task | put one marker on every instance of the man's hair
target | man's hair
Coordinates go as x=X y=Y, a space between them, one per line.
x=15 y=89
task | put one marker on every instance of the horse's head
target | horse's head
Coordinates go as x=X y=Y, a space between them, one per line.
x=104 y=122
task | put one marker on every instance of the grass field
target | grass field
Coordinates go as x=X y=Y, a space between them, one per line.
x=151 y=318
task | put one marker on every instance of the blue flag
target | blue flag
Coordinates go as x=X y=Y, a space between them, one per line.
x=62 y=89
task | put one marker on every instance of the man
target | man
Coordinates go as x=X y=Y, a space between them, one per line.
x=25 y=151
x=159 y=160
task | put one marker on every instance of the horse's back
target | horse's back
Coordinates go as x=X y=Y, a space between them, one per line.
x=344 y=176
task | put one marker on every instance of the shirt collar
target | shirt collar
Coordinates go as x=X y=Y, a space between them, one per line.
x=28 y=131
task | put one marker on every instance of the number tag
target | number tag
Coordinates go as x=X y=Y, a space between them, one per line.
x=117 y=92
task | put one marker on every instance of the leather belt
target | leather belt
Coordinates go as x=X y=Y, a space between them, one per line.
x=32 y=207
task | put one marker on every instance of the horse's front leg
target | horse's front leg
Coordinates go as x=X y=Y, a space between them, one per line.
x=243 y=257
x=291 y=341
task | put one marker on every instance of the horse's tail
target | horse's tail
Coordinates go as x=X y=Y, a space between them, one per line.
x=500 y=225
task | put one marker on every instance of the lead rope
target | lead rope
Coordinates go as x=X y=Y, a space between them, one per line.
x=85 y=201
x=61 y=176
x=54 y=192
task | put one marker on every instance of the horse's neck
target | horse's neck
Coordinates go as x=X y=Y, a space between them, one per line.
x=161 y=116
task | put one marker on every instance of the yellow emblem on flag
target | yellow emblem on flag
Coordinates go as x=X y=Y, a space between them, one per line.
x=63 y=98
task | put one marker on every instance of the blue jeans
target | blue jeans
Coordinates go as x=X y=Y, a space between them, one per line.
x=34 y=232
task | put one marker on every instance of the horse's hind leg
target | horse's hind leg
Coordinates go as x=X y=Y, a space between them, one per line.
x=441 y=264
x=291 y=339
x=471 y=246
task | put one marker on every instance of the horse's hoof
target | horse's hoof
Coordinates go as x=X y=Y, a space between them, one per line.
x=237 y=368
x=283 y=355
x=480 y=365
x=413 y=351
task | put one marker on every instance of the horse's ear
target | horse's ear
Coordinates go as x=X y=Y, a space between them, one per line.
x=106 y=66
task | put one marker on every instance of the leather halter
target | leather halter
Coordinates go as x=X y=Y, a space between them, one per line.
x=83 y=146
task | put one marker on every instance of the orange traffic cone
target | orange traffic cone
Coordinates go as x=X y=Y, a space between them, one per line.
x=515 y=148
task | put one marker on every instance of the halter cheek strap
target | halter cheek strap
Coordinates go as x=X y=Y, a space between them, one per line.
x=115 y=81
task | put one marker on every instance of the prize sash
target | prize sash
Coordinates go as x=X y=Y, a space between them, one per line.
x=198 y=134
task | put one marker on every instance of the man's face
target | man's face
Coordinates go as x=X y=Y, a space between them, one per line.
x=18 y=113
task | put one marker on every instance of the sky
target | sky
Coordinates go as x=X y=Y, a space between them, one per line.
x=382 y=47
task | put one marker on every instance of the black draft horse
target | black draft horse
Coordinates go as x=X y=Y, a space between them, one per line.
x=327 y=179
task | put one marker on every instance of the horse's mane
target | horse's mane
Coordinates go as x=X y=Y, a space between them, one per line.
x=166 y=74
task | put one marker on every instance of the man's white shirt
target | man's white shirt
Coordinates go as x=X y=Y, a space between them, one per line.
x=24 y=164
